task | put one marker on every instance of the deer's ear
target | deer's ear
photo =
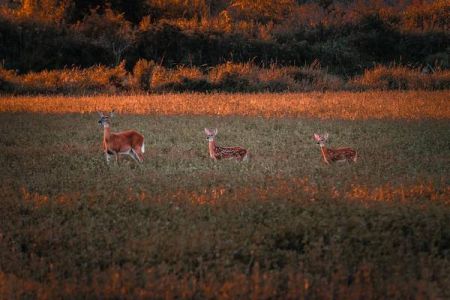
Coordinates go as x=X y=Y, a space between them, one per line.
x=316 y=137
x=326 y=136
x=207 y=131
x=215 y=131
x=100 y=114
x=111 y=114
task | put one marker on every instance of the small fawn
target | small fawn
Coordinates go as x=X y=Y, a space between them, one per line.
x=128 y=142
x=335 y=155
x=217 y=152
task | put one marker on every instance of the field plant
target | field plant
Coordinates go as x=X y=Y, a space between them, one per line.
x=180 y=226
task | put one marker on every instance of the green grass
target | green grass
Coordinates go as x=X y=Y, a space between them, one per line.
x=283 y=225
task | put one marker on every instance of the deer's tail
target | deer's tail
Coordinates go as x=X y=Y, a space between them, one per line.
x=246 y=156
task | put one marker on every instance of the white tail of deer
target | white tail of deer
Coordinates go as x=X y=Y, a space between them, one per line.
x=128 y=142
x=335 y=155
x=216 y=152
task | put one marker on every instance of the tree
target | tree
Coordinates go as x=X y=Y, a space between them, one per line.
x=109 y=30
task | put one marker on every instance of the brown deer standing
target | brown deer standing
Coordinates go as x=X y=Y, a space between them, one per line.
x=217 y=152
x=335 y=155
x=128 y=142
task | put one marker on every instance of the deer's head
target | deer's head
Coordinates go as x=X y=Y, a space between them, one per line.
x=321 y=139
x=210 y=134
x=104 y=119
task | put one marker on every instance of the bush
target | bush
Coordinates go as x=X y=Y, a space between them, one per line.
x=235 y=77
x=142 y=74
x=229 y=77
x=98 y=79
x=179 y=79
x=249 y=77
x=313 y=77
x=402 y=78
x=8 y=80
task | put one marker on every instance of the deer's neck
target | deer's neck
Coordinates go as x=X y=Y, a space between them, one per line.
x=324 y=151
x=106 y=132
x=212 y=148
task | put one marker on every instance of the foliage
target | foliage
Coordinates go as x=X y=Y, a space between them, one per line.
x=147 y=76
x=98 y=79
x=347 y=37
x=108 y=30
x=402 y=78
x=142 y=73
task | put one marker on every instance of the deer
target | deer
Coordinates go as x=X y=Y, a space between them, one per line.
x=335 y=155
x=217 y=152
x=128 y=142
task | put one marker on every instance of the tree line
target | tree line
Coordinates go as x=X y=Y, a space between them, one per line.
x=346 y=36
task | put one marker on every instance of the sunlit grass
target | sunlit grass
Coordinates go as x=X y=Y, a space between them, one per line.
x=333 y=105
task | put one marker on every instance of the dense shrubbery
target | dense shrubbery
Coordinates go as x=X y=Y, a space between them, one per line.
x=98 y=79
x=347 y=37
x=402 y=78
x=147 y=76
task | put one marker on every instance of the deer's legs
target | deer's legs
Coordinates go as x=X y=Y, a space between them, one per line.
x=136 y=155
x=108 y=157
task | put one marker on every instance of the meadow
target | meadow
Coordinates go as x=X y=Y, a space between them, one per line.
x=282 y=226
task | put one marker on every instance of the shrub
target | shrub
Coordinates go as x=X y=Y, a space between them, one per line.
x=8 y=79
x=313 y=77
x=179 y=79
x=98 y=79
x=142 y=74
x=235 y=77
x=189 y=79
x=401 y=78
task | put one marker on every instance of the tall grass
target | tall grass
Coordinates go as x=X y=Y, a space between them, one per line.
x=328 y=105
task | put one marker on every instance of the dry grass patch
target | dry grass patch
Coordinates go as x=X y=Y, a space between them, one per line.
x=333 y=105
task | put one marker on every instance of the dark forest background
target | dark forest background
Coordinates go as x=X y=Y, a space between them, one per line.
x=344 y=37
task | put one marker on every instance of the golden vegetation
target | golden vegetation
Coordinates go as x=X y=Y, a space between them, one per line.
x=332 y=105
x=147 y=76
x=402 y=78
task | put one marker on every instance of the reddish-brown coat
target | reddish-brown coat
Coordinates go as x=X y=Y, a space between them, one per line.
x=217 y=152
x=334 y=155
x=128 y=142
x=119 y=142
x=339 y=154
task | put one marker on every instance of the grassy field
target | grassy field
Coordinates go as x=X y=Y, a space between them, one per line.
x=284 y=225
